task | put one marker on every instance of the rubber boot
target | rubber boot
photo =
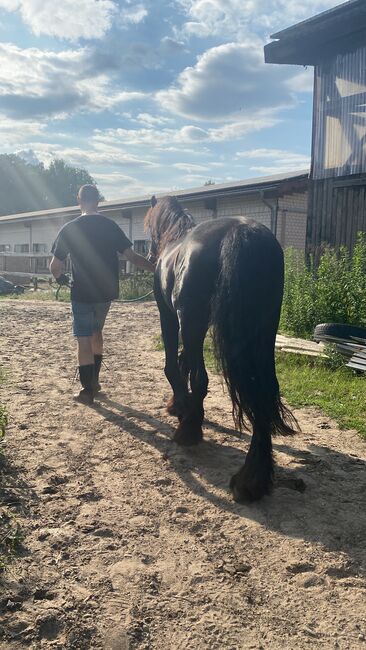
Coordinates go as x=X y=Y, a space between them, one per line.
x=86 y=395
x=97 y=365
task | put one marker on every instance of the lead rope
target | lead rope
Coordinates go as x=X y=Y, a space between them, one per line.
x=146 y=295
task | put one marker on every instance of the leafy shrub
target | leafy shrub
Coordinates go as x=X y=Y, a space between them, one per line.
x=135 y=285
x=335 y=291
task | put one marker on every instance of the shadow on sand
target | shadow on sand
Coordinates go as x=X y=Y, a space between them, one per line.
x=330 y=511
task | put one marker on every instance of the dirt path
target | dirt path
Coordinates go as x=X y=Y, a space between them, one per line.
x=132 y=542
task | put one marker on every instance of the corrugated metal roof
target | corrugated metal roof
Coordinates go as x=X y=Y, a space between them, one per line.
x=320 y=19
x=250 y=185
x=321 y=37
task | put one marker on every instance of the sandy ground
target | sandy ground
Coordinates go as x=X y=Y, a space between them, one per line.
x=132 y=542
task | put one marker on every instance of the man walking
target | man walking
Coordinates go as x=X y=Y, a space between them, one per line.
x=93 y=243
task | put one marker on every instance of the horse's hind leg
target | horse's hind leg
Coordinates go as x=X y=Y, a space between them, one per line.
x=189 y=431
x=254 y=479
x=169 y=328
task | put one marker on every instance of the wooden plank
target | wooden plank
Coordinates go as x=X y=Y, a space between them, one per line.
x=324 y=213
x=334 y=218
x=351 y=219
x=339 y=193
x=344 y=218
x=310 y=238
x=306 y=353
x=318 y=218
x=362 y=211
x=347 y=181
x=328 y=212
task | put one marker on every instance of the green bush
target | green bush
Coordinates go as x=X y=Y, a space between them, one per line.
x=136 y=285
x=334 y=292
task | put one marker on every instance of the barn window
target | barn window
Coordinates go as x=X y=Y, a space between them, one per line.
x=21 y=248
x=42 y=263
x=5 y=248
x=141 y=246
x=39 y=248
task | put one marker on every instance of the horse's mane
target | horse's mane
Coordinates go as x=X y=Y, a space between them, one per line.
x=167 y=221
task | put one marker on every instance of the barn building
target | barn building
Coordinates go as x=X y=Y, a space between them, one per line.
x=280 y=202
x=334 y=42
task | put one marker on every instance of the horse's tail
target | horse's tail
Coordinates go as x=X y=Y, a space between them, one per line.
x=245 y=315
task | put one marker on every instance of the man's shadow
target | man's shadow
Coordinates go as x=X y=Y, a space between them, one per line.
x=330 y=511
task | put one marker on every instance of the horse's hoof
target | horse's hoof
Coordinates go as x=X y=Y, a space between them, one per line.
x=188 y=435
x=171 y=407
x=248 y=491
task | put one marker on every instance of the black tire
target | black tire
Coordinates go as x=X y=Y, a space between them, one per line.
x=338 y=331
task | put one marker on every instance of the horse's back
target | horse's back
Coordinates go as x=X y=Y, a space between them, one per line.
x=203 y=243
x=219 y=227
x=199 y=259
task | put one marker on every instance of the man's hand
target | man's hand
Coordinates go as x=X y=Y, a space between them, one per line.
x=138 y=260
x=63 y=280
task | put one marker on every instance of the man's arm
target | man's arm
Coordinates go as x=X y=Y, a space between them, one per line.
x=60 y=251
x=138 y=260
x=56 y=267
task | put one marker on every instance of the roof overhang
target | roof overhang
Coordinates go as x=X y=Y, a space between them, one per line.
x=270 y=185
x=336 y=31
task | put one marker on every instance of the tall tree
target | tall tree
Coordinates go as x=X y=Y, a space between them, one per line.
x=26 y=188
x=63 y=182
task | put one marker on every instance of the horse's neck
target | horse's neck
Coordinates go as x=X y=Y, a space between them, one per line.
x=171 y=237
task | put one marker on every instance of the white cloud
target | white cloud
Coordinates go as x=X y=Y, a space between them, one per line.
x=197 y=180
x=229 y=82
x=9 y=5
x=28 y=156
x=280 y=160
x=145 y=119
x=38 y=83
x=109 y=158
x=169 y=139
x=15 y=133
x=117 y=186
x=67 y=19
x=240 y=18
x=133 y=14
x=302 y=82
x=191 y=167
x=91 y=155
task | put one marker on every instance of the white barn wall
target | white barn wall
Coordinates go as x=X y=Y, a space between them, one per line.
x=45 y=232
x=291 y=219
x=249 y=207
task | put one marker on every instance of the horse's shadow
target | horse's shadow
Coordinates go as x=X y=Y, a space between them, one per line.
x=330 y=511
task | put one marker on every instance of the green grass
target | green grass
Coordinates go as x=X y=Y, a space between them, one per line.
x=131 y=287
x=339 y=392
x=324 y=383
x=41 y=295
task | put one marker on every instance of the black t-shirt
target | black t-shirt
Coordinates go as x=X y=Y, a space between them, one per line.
x=92 y=241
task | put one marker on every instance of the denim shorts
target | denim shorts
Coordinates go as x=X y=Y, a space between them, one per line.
x=89 y=317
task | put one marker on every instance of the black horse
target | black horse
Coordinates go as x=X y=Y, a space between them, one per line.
x=226 y=274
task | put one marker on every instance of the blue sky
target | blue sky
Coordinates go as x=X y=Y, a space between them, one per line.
x=154 y=95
